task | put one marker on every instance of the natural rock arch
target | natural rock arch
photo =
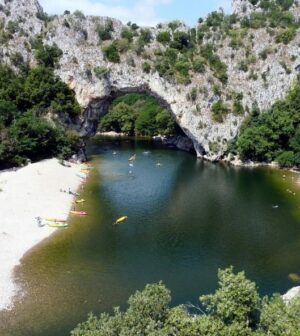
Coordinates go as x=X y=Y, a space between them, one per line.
x=82 y=53
x=99 y=107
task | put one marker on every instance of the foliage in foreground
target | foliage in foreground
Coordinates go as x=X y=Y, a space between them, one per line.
x=273 y=134
x=25 y=100
x=138 y=114
x=235 y=309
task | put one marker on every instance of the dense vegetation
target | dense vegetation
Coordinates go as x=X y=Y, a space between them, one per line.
x=26 y=99
x=235 y=309
x=273 y=134
x=138 y=114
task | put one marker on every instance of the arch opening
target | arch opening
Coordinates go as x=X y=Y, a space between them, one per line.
x=99 y=110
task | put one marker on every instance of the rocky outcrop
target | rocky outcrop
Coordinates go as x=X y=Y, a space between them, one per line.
x=292 y=294
x=176 y=141
x=268 y=78
x=242 y=7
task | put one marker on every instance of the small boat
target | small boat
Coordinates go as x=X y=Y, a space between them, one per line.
x=133 y=158
x=58 y=225
x=79 y=213
x=55 y=220
x=275 y=206
x=121 y=220
x=80 y=201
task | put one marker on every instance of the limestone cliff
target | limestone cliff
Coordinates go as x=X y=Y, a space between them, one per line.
x=260 y=68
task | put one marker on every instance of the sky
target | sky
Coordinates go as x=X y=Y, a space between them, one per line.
x=142 y=12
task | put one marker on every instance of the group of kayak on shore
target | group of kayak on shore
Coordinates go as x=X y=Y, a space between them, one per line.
x=62 y=223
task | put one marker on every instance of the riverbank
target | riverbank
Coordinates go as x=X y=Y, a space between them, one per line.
x=25 y=194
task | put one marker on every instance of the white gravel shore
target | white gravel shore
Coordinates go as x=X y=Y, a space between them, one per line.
x=25 y=194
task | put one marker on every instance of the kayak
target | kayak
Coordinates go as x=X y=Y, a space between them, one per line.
x=58 y=225
x=121 y=220
x=55 y=220
x=79 y=213
x=80 y=201
x=132 y=158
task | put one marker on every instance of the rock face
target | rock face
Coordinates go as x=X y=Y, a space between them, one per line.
x=242 y=7
x=292 y=294
x=268 y=79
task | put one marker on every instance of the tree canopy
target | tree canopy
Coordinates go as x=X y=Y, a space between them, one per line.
x=138 y=114
x=26 y=98
x=235 y=309
x=273 y=134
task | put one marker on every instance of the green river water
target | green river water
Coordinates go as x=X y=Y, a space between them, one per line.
x=187 y=218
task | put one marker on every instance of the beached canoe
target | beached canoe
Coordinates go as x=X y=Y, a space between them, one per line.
x=121 y=220
x=79 y=213
x=80 y=201
x=55 y=220
x=58 y=225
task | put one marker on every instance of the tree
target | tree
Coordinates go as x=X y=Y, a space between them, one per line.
x=236 y=300
x=48 y=56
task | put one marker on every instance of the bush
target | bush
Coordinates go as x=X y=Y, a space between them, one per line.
x=111 y=52
x=78 y=14
x=286 y=36
x=48 y=56
x=146 y=67
x=219 y=68
x=128 y=34
x=286 y=159
x=101 y=72
x=219 y=111
x=164 y=37
x=199 y=65
x=105 y=31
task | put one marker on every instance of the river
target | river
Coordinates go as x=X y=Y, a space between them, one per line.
x=186 y=219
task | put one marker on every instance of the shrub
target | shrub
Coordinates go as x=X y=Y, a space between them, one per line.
x=146 y=67
x=12 y=27
x=286 y=35
x=78 y=14
x=286 y=159
x=48 y=56
x=128 y=34
x=164 y=37
x=16 y=59
x=219 y=111
x=111 y=52
x=105 y=31
x=199 y=65
x=101 y=72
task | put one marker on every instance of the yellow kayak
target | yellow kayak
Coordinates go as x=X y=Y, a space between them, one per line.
x=80 y=201
x=55 y=220
x=58 y=225
x=121 y=220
